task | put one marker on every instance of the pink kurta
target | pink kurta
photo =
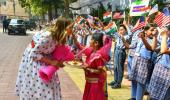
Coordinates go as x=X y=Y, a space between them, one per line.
x=96 y=60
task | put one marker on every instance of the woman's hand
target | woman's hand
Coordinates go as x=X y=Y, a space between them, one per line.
x=57 y=63
x=60 y=64
x=71 y=25
x=69 y=29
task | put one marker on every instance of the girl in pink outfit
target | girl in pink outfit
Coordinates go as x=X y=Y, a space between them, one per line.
x=97 y=55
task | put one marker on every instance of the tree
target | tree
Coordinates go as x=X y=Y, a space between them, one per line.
x=41 y=7
x=66 y=6
x=99 y=11
x=36 y=6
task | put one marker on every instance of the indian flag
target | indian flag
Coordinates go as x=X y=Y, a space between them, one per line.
x=79 y=20
x=107 y=16
x=110 y=28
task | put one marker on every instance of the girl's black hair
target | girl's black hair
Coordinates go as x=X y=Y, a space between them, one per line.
x=98 y=37
x=121 y=25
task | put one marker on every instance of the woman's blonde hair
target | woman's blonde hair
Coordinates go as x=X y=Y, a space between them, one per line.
x=58 y=29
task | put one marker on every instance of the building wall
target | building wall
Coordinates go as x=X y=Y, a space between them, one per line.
x=86 y=4
x=8 y=10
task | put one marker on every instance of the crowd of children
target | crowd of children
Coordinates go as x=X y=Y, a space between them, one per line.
x=148 y=59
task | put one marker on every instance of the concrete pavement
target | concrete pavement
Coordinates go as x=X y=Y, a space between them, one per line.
x=11 y=50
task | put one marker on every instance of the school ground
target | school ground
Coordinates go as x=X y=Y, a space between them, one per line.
x=72 y=79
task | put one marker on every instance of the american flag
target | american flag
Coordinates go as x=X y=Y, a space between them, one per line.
x=162 y=19
x=140 y=24
x=159 y=19
x=118 y=15
x=165 y=21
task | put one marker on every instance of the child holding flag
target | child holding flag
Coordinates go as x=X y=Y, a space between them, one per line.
x=119 y=56
x=159 y=87
x=142 y=64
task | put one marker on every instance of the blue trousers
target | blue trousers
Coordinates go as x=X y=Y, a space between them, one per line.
x=129 y=66
x=133 y=89
x=137 y=90
x=167 y=96
x=119 y=60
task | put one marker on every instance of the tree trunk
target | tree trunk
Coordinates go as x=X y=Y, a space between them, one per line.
x=66 y=13
x=49 y=13
x=56 y=12
x=29 y=12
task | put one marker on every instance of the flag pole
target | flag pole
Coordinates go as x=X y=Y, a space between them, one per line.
x=124 y=15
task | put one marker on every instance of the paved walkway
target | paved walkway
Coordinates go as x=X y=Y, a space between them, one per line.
x=11 y=50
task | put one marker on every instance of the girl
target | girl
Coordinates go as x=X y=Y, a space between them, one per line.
x=132 y=47
x=29 y=86
x=141 y=64
x=159 y=87
x=97 y=55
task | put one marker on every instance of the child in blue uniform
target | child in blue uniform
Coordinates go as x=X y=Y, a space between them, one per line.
x=159 y=87
x=141 y=64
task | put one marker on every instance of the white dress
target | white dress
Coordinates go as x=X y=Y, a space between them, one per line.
x=29 y=86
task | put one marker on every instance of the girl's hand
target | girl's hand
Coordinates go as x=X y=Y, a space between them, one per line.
x=155 y=33
x=125 y=23
x=85 y=66
x=141 y=35
x=123 y=39
x=163 y=32
x=90 y=70
x=96 y=18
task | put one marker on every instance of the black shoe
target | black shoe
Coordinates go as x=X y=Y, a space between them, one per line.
x=112 y=83
x=116 y=86
x=146 y=93
x=132 y=99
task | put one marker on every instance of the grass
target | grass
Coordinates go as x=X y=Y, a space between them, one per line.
x=77 y=75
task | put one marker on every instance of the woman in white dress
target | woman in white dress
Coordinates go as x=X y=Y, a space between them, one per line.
x=29 y=86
